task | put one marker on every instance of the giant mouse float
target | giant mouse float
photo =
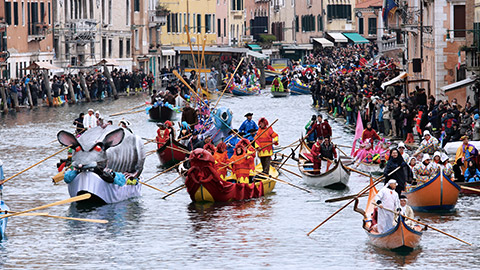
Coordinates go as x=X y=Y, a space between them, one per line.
x=106 y=163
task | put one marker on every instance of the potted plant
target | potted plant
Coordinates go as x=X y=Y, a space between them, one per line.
x=161 y=10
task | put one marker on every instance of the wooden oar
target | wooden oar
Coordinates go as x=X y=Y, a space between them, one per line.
x=125 y=111
x=419 y=222
x=180 y=150
x=174 y=180
x=280 y=149
x=152 y=187
x=363 y=191
x=343 y=198
x=357 y=171
x=171 y=193
x=188 y=86
x=289 y=156
x=284 y=182
x=291 y=165
x=60 y=217
x=167 y=170
x=296 y=174
x=341 y=150
x=22 y=171
x=470 y=188
x=70 y=200
x=346 y=146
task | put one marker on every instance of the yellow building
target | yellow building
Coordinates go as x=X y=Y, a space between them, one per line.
x=199 y=15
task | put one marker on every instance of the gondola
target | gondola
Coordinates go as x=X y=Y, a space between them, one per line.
x=160 y=114
x=299 y=88
x=439 y=194
x=373 y=168
x=244 y=91
x=204 y=184
x=402 y=237
x=466 y=191
x=335 y=178
x=168 y=156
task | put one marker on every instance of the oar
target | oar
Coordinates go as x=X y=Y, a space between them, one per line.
x=60 y=217
x=419 y=222
x=171 y=193
x=284 y=182
x=70 y=200
x=22 y=171
x=167 y=170
x=188 y=86
x=341 y=150
x=291 y=165
x=289 y=156
x=125 y=111
x=357 y=171
x=174 y=180
x=280 y=149
x=180 y=150
x=470 y=188
x=296 y=174
x=363 y=191
x=150 y=186
x=343 y=198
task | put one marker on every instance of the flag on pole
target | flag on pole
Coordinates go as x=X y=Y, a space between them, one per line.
x=389 y=8
x=358 y=132
x=459 y=60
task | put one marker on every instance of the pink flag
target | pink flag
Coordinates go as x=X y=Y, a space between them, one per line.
x=358 y=132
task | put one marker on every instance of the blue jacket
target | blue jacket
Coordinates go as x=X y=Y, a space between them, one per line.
x=472 y=178
x=247 y=125
x=231 y=144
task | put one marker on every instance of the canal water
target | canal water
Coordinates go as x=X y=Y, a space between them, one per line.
x=151 y=233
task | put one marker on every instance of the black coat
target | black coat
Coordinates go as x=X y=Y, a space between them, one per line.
x=401 y=175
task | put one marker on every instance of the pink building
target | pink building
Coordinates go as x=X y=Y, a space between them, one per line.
x=222 y=22
x=257 y=17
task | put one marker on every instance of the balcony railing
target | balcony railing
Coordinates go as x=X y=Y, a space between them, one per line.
x=389 y=44
x=156 y=19
x=473 y=59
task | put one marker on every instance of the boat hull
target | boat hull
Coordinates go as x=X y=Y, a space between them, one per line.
x=369 y=168
x=89 y=182
x=243 y=92
x=277 y=94
x=160 y=114
x=297 y=89
x=440 y=194
x=335 y=178
x=203 y=195
x=401 y=237
x=3 y=221
x=168 y=156
x=470 y=185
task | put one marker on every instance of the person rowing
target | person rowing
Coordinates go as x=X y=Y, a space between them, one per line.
x=264 y=141
x=389 y=199
x=328 y=151
x=429 y=144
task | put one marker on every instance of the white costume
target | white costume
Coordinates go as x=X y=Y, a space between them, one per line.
x=89 y=121
x=390 y=201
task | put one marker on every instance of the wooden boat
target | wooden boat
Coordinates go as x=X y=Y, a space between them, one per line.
x=438 y=194
x=402 y=237
x=102 y=192
x=237 y=91
x=168 y=156
x=335 y=178
x=297 y=88
x=465 y=191
x=204 y=184
x=452 y=147
x=160 y=114
x=373 y=168
x=275 y=94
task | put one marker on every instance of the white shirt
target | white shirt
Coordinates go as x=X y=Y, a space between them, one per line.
x=89 y=121
x=391 y=202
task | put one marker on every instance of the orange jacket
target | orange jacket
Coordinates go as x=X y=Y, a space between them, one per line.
x=241 y=169
x=263 y=143
x=221 y=159
x=162 y=137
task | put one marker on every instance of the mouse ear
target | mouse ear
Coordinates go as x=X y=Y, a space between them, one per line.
x=113 y=138
x=67 y=139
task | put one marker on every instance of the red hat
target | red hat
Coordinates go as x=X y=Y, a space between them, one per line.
x=264 y=120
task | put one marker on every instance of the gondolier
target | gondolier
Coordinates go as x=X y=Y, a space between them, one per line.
x=328 y=151
x=322 y=128
x=264 y=141
x=248 y=124
x=277 y=84
x=317 y=155
x=370 y=133
x=388 y=198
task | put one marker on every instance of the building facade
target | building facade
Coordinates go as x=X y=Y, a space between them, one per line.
x=222 y=10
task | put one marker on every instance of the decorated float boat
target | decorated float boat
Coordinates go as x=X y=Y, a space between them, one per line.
x=171 y=153
x=298 y=88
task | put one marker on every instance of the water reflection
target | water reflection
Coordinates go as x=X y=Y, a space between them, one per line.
x=392 y=259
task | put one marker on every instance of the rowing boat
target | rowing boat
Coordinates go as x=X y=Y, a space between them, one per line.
x=279 y=94
x=299 y=88
x=465 y=191
x=205 y=185
x=439 y=194
x=171 y=153
x=335 y=178
x=238 y=90
x=373 y=168
x=402 y=237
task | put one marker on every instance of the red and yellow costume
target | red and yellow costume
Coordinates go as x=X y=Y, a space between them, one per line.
x=241 y=165
x=162 y=137
x=264 y=141
x=221 y=159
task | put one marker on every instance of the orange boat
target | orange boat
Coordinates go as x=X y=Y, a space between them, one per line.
x=440 y=194
x=400 y=238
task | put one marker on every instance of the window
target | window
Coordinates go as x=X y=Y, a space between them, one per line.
x=184 y=22
x=137 y=40
x=136 y=5
x=8 y=13
x=92 y=49
x=169 y=22
x=213 y=23
x=110 y=11
x=92 y=6
x=208 y=23
x=461 y=73
x=459 y=22
x=42 y=12
x=128 y=47
x=297 y=27
x=372 y=26
x=23 y=13
x=219 y=28
x=339 y=12
x=110 y=48
x=360 y=26
x=49 y=14
x=199 y=23
x=320 y=23
x=308 y=23
x=194 y=19
x=104 y=48
x=15 y=13
x=127 y=11
x=224 y=27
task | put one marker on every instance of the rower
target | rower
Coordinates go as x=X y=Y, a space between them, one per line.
x=401 y=150
x=313 y=135
x=317 y=155
x=163 y=134
x=277 y=84
x=429 y=144
x=240 y=164
x=407 y=211
x=388 y=198
x=328 y=151
x=446 y=166
x=221 y=159
x=231 y=141
x=264 y=141
x=423 y=170
x=248 y=124
x=370 y=133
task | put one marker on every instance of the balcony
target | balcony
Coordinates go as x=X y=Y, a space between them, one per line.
x=389 y=45
x=473 y=59
x=37 y=31
x=82 y=30
x=156 y=18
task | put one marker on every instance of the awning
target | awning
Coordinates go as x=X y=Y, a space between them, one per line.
x=267 y=52
x=307 y=47
x=168 y=52
x=402 y=76
x=257 y=55
x=42 y=65
x=356 y=38
x=459 y=84
x=254 y=47
x=338 y=37
x=324 y=42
